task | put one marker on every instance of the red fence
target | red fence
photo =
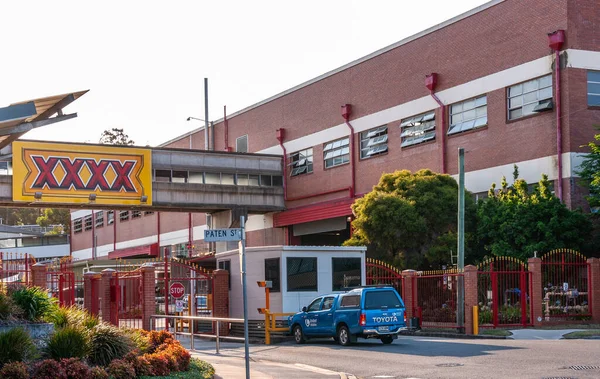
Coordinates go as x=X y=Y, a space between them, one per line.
x=128 y=296
x=15 y=270
x=64 y=284
x=379 y=272
x=437 y=298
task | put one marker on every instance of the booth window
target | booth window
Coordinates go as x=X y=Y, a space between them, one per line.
x=273 y=273
x=346 y=273
x=301 y=274
x=226 y=265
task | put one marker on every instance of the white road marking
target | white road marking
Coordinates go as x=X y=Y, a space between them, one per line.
x=300 y=366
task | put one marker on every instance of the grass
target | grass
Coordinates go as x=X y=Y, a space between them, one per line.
x=495 y=332
x=198 y=370
x=583 y=334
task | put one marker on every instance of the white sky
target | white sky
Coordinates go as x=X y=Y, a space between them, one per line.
x=145 y=61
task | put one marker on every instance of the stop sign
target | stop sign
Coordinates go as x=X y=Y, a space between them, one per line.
x=177 y=290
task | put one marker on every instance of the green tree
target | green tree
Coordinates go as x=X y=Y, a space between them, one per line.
x=514 y=222
x=115 y=136
x=590 y=172
x=411 y=219
x=55 y=216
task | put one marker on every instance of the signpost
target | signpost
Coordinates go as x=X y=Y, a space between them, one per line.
x=237 y=234
x=177 y=290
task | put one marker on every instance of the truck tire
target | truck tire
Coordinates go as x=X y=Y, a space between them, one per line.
x=344 y=336
x=386 y=340
x=299 y=335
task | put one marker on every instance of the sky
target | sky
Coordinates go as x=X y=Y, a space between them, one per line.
x=144 y=62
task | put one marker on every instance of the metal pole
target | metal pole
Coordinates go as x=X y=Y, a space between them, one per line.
x=218 y=345
x=191 y=333
x=243 y=253
x=205 y=113
x=460 y=317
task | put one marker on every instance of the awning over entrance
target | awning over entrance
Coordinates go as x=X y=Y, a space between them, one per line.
x=145 y=250
x=321 y=211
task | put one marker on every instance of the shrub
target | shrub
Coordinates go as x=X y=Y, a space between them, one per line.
x=140 y=339
x=157 y=338
x=8 y=309
x=140 y=364
x=121 y=369
x=49 y=369
x=75 y=369
x=182 y=357
x=14 y=370
x=90 y=321
x=34 y=301
x=98 y=373
x=159 y=364
x=107 y=342
x=69 y=342
x=16 y=346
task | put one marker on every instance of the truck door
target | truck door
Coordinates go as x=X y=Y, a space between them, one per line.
x=326 y=316
x=310 y=318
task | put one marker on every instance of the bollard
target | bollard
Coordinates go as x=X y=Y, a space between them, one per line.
x=475 y=320
x=191 y=333
x=217 y=344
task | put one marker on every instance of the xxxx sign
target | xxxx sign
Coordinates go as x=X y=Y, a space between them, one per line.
x=70 y=173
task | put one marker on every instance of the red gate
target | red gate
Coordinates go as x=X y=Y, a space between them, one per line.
x=379 y=272
x=63 y=284
x=566 y=277
x=127 y=293
x=15 y=270
x=503 y=285
x=437 y=298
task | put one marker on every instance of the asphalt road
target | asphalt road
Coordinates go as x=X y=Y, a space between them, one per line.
x=420 y=357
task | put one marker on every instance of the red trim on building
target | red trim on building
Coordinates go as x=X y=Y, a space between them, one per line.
x=146 y=250
x=321 y=211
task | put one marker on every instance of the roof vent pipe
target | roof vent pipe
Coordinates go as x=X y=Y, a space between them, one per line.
x=431 y=83
x=346 y=112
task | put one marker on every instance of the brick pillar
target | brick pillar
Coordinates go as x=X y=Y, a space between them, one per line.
x=221 y=298
x=39 y=272
x=410 y=293
x=89 y=295
x=470 y=277
x=594 y=288
x=107 y=303
x=148 y=295
x=536 y=295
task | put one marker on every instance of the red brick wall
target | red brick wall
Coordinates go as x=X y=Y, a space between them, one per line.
x=583 y=26
x=470 y=280
x=149 y=296
x=221 y=297
x=536 y=297
x=595 y=288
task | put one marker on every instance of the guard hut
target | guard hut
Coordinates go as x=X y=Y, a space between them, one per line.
x=298 y=274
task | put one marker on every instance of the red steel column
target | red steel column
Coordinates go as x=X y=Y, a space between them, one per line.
x=535 y=291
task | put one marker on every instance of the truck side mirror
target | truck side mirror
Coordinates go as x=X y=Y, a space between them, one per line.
x=303 y=309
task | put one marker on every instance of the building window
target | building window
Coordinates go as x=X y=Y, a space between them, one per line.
x=77 y=225
x=468 y=115
x=418 y=129
x=212 y=178
x=301 y=162
x=110 y=217
x=241 y=144
x=196 y=177
x=336 y=153
x=179 y=176
x=136 y=214
x=148 y=213
x=226 y=265
x=374 y=142
x=162 y=175
x=247 y=180
x=301 y=274
x=593 y=88
x=123 y=215
x=273 y=273
x=530 y=97
x=346 y=273
x=99 y=219
x=88 y=223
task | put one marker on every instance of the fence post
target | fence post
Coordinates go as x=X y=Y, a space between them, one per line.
x=88 y=292
x=39 y=271
x=594 y=288
x=410 y=293
x=535 y=290
x=221 y=297
x=105 y=293
x=470 y=276
x=148 y=295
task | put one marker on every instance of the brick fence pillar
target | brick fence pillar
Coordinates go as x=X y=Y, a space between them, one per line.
x=410 y=293
x=470 y=277
x=221 y=298
x=148 y=295
x=90 y=294
x=536 y=296
x=108 y=302
x=594 y=288
x=39 y=273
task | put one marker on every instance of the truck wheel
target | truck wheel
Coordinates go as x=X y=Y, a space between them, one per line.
x=387 y=340
x=344 y=336
x=299 y=335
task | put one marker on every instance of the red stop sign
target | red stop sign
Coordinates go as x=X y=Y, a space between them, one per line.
x=177 y=290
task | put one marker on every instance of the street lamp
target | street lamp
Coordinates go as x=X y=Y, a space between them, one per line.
x=195 y=118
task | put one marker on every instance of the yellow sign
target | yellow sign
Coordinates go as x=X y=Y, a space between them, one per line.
x=80 y=173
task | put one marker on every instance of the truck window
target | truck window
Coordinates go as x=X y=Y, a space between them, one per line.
x=351 y=301
x=379 y=299
x=327 y=303
x=314 y=306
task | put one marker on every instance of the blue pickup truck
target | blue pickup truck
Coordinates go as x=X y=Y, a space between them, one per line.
x=367 y=312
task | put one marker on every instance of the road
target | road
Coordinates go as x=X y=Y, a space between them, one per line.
x=420 y=357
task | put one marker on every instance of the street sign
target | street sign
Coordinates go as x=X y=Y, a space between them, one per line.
x=178 y=305
x=177 y=290
x=218 y=235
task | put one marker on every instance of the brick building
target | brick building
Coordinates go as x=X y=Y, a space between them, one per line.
x=494 y=72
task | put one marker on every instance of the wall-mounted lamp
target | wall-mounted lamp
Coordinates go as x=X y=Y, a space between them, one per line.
x=144 y=199
x=37 y=195
x=194 y=118
x=92 y=197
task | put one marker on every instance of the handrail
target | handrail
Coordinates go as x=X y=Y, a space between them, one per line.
x=270 y=319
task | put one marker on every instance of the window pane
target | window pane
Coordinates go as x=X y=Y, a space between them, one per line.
x=212 y=178
x=162 y=175
x=301 y=274
x=530 y=86
x=593 y=76
x=515 y=113
x=196 y=177
x=242 y=179
x=179 y=176
x=228 y=179
x=265 y=180
x=594 y=88
x=241 y=144
x=546 y=81
x=272 y=273
x=253 y=180
x=346 y=273
x=350 y=301
x=594 y=100
x=277 y=180
x=530 y=97
x=481 y=101
x=545 y=93
x=515 y=90
x=515 y=102
x=379 y=299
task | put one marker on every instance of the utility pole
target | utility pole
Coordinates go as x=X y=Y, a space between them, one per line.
x=205 y=113
x=460 y=317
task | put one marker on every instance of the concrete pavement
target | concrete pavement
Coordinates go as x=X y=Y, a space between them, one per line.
x=540 y=334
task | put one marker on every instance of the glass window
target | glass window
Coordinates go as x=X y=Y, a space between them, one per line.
x=88 y=223
x=228 y=179
x=346 y=273
x=179 y=177
x=373 y=142
x=253 y=180
x=327 y=303
x=110 y=217
x=148 y=213
x=468 y=115
x=242 y=179
x=337 y=152
x=162 y=175
x=273 y=273
x=315 y=305
x=593 y=88
x=350 y=301
x=99 y=219
x=136 y=214
x=212 y=178
x=301 y=274
x=77 y=225
x=241 y=144
x=380 y=299
x=530 y=97
x=418 y=129
x=301 y=162
x=266 y=180
x=196 y=177
x=226 y=265
x=277 y=180
x=124 y=215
